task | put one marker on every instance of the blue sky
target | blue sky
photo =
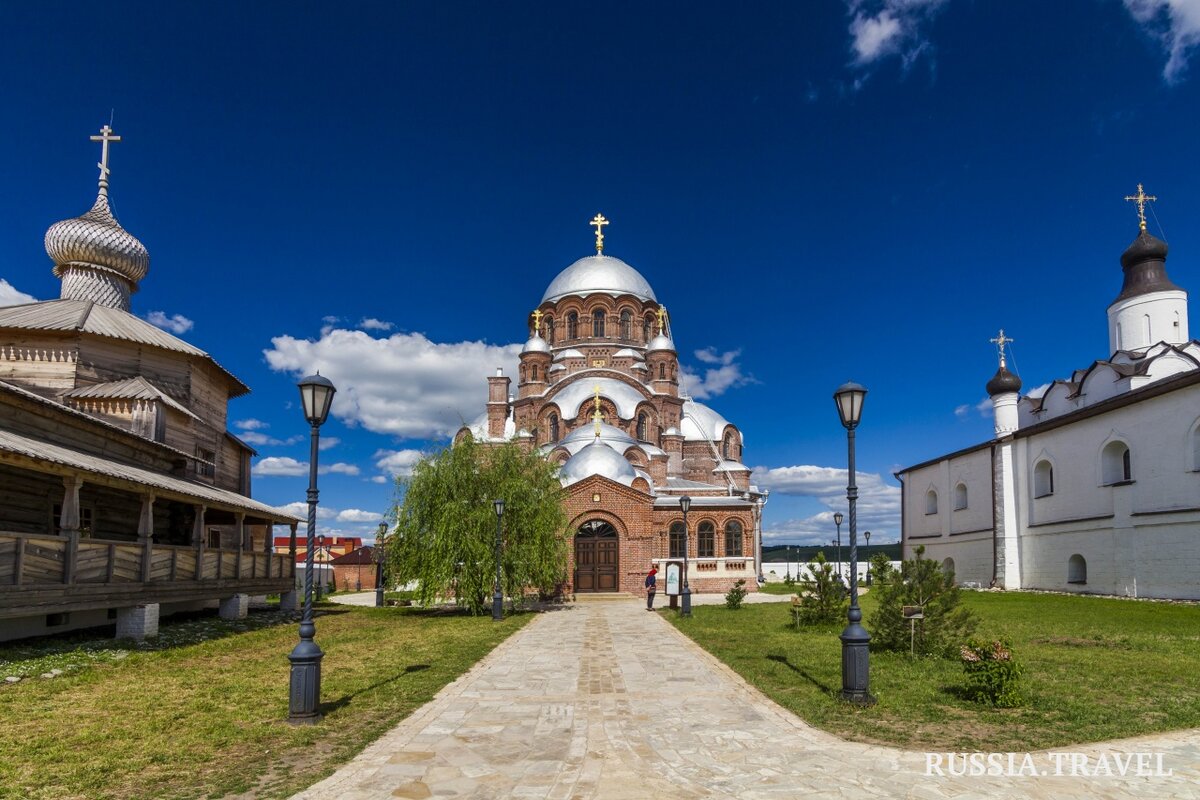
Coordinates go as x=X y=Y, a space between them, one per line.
x=818 y=191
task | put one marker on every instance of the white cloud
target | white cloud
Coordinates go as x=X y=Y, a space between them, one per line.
x=984 y=407
x=882 y=28
x=397 y=462
x=300 y=509
x=251 y=424
x=11 y=296
x=340 y=468
x=328 y=442
x=723 y=374
x=176 y=323
x=878 y=504
x=358 y=515
x=263 y=440
x=1175 y=23
x=372 y=324
x=380 y=479
x=404 y=385
x=1037 y=391
x=272 y=466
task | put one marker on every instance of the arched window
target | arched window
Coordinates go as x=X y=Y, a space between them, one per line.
x=1120 y=341
x=733 y=538
x=554 y=427
x=626 y=324
x=1043 y=479
x=948 y=568
x=598 y=323
x=931 y=502
x=647 y=326
x=573 y=325
x=725 y=446
x=960 y=497
x=550 y=330
x=641 y=428
x=1196 y=448
x=533 y=372
x=1146 y=329
x=662 y=372
x=707 y=540
x=677 y=540
x=1077 y=569
x=1115 y=464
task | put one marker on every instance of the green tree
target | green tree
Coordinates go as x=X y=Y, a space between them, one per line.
x=920 y=582
x=445 y=530
x=822 y=596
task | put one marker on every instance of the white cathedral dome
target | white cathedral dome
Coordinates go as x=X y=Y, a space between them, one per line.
x=598 y=458
x=609 y=434
x=536 y=344
x=701 y=423
x=598 y=275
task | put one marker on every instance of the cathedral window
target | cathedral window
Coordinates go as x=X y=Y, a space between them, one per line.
x=662 y=372
x=550 y=330
x=707 y=538
x=1115 y=464
x=931 y=502
x=626 y=324
x=533 y=372
x=1077 y=569
x=677 y=540
x=733 y=538
x=646 y=328
x=641 y=428
x=1043 y=479
x=960 y=497
x=573 y=325
x=1196 y=449
x=554 y=427
x=598 y=323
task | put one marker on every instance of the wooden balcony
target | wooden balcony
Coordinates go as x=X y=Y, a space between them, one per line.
x=42 y=574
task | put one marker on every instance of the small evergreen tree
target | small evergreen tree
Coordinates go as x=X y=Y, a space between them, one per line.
x=822 y=598
x=881 y=569
x=735 y=596
x=920 y=582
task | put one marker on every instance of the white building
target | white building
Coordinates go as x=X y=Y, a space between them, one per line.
x=1095 y=485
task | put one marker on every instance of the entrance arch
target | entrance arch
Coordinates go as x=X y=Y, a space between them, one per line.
x=596 y=557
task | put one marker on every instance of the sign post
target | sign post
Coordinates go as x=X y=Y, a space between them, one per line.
x=674 y=580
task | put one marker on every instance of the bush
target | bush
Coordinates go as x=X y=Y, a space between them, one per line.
x=881 y=569
x=920 y=582
x=822 y=598
x=993 y=675
x=735 y=596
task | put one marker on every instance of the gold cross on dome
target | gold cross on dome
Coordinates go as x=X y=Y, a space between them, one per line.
x=1000 y=341
x=106 y=136
x=537 y=321
x=1140 y=198
x=662 y=319
x=598 y=222
x=597 y=416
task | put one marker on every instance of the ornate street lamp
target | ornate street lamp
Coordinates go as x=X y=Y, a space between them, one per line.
x=379 y=539
x=316 y=397
x=855 y=639
x=685 y=503
x=497 y=594
x=867 y=557
x=837 y=520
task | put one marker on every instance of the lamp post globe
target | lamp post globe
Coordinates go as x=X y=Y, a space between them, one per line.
x=379 y=556
x=497 y=594
x=849 y=398
x=304 y=696
x=685 y=504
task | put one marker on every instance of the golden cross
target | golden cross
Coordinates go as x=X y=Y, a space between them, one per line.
x=1140 y=198
x=662 y=318
x=597 y=416
x=106 y=136
x=537 y=321
x=598 y=222
x=1002 y=340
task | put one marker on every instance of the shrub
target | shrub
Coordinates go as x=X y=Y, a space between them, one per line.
x=920 y=582
x=881 y=569
x=822 y=598
x=993 y=675
x=735 y=596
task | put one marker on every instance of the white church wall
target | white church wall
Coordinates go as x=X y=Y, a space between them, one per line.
x=1140 y=321
x=971 y=555
x=974 y=472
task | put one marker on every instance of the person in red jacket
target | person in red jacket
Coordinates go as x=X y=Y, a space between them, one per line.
x=651 y=587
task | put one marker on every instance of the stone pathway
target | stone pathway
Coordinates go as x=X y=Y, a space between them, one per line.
x=603 y=701
x=355 y=598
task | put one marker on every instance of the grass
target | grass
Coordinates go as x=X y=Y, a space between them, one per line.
x=1096 y=669
x=780 y=588
x=201 y=713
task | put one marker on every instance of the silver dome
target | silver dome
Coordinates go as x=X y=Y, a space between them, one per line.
x=661 y=342
x=584 y=435
x=97 y=239
x=598 y=274
x=700 y=423
x=597 y=458
x=536 y=344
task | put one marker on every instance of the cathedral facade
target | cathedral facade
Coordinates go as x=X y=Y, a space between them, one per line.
x=598 y=393
x=1091 y=485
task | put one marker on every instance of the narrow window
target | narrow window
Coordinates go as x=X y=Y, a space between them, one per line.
x=948 y=568
x=573 y=325
x=1043 y=479
x=533 y=371
x=931 y=502
x=1077 y=569
x=960 y=497
x=598 y=323
x=676 y=540
x=626 y=324
x=1120 y=341
x=550 y=330
x=1196 y=449
x=733 y=538
x=641 y=428
x=1115 y=463
x=646 y=328
x=1146 y=330
x=707 y=535
x=662 y=372
x=554 y=427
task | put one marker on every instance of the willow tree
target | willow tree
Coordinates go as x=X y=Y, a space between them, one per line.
x=445 y=532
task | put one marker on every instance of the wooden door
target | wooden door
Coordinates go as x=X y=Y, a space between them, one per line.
x=596 y=558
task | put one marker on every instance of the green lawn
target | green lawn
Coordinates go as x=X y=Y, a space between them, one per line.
x=780 y=588
x=180 y=719
x=1097 y=669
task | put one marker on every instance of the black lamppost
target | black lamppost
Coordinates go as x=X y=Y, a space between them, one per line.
x=497 y=594
x=685 y=503
x=855 y=639
x=867 y=557
x=379 y=538
x=837 y=520
x=316 y=396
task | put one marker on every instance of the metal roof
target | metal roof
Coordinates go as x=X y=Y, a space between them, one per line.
x=137 y=388
x=598 y=274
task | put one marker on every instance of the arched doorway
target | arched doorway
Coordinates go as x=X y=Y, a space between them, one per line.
x=596 y=557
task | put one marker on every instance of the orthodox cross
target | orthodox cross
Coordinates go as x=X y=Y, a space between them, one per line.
x=1002 y=340
x=537 y=321
x=597 y=416
x=598 y=222
x=106 y=136
x=1140 y=198
x=662 y=319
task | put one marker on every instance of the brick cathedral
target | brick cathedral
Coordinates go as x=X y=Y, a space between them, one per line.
x=598 y=393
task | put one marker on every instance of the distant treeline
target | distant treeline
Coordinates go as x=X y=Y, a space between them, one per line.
x=806 y=552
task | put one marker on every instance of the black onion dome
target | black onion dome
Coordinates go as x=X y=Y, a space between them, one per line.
x=1003 y=382
x=1145 y=265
